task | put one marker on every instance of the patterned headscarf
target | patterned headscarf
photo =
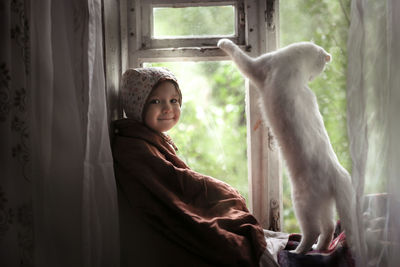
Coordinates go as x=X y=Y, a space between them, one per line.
x=137 y=85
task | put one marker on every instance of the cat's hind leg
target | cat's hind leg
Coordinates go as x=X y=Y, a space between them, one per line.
x=309 y=224
x=327 y=226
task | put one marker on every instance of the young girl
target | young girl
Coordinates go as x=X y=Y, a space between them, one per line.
x=169 y=214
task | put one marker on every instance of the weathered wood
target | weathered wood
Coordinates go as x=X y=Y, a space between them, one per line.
x=112 y=60
x=264 y=161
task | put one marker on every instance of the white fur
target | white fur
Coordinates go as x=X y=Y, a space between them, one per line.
x=318 y=180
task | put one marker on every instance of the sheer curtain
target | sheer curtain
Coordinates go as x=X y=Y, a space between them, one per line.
x=374 y=128
x=58 y=204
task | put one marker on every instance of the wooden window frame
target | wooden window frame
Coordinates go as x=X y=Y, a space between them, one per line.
x=128 y=44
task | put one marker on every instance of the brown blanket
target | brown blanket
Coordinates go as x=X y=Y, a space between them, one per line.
x=204 y=216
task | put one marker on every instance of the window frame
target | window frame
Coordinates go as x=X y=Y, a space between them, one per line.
x=143 y=47
x=128 y=44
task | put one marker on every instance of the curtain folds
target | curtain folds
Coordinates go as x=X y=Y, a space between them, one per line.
x=58 y=193
x=373 y=83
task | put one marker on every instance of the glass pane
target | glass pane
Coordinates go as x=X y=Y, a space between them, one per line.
x=326 y=24
x=211 y=134
x=193 y=21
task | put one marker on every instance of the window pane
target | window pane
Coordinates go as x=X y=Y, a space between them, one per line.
x=193 y=21
x=325 y=23
x=211 y=134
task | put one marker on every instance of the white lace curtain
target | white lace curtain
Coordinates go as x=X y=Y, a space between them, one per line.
x=374 y=128
x=58 y=204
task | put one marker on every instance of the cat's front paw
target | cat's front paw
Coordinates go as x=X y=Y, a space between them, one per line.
x=225 y=44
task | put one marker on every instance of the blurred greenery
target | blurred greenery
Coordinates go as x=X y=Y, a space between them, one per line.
x=194 y=21
x=326 y=23
x=211 y=134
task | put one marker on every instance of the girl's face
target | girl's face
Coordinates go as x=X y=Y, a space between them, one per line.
x=162 y=109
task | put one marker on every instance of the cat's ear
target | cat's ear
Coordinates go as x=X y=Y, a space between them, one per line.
x=328 y=57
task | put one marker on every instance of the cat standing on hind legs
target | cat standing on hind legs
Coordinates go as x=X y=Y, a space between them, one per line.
x=317 y=178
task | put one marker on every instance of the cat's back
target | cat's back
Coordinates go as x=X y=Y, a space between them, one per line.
x=295 y=55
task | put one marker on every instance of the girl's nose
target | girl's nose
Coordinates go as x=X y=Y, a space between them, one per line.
x=166 y=108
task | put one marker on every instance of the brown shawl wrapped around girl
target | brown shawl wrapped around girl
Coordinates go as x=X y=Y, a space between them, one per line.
x=205 y=219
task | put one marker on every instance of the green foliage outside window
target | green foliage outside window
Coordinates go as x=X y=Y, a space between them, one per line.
x=324 y=22
x=211 y=134
x=194 y=21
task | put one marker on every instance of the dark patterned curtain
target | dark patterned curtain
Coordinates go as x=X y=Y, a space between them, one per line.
x=16 y=216
x=58 y=204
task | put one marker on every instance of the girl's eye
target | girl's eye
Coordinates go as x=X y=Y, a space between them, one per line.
x=174 y=101
x=155 y=101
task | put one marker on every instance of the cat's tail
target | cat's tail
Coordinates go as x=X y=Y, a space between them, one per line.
x=346 y=208
x=245 y=63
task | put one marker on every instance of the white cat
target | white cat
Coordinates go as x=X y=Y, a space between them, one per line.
x=290 y=107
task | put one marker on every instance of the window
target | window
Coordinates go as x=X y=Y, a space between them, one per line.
x=191 y=22
x=149 y=33
x=163 y=27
